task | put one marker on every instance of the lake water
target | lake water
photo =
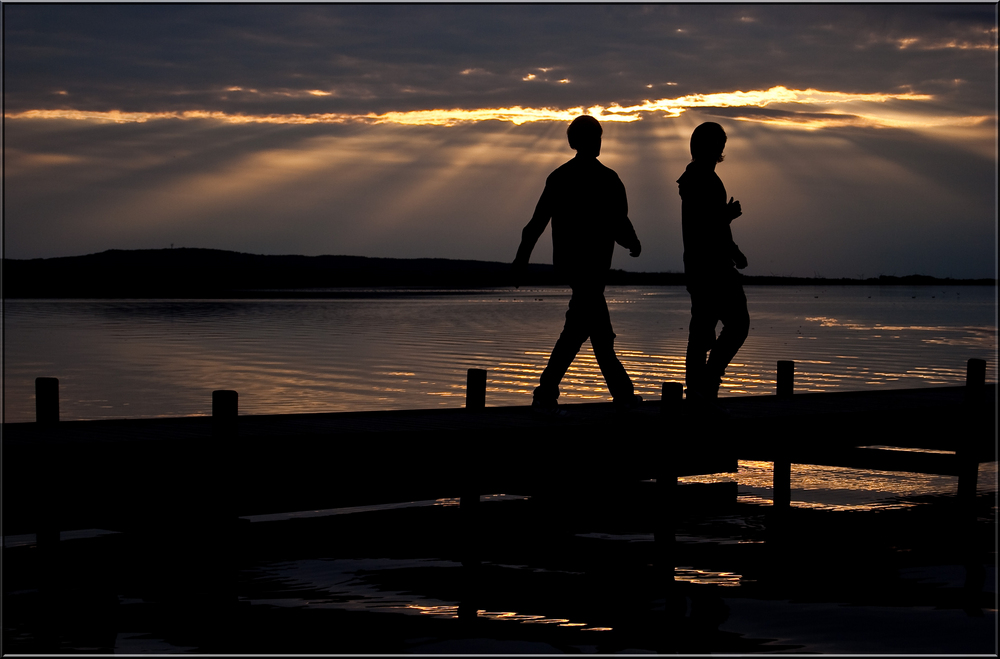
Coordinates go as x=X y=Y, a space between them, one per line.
x=149 y=358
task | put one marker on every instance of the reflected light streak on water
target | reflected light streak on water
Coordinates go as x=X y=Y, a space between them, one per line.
x=839 y=488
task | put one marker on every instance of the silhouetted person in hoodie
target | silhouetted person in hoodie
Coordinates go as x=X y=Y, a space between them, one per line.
x=710 y=262
x=587 y=205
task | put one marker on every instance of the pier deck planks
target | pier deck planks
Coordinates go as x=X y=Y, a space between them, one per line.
x=110 y=473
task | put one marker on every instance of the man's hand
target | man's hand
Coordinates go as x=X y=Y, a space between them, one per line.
x=636 y=251
x=517 y=269
x=734 y=209
x=740 y=260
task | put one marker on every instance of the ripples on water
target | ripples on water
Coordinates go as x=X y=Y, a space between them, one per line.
x=142 y=358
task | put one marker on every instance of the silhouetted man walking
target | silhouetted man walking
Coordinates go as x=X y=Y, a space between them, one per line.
x=587 y=205
x=710 y=261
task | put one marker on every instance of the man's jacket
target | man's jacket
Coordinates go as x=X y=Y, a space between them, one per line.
x=709 y=250
x=589 y=211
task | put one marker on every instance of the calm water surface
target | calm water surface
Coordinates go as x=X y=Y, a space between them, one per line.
x=146 y=358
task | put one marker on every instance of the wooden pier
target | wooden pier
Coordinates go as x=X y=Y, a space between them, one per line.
x=141 y=473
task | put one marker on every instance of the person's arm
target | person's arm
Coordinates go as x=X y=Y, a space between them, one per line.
x=739 y=259
x=530 y=235
x=698 y=202
x=733 y=210
x=534 y=228
x=624 y=231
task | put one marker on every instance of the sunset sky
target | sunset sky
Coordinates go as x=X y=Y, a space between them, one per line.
x=862 y=138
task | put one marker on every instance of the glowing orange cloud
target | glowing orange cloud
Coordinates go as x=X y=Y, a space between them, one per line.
x=672 y=107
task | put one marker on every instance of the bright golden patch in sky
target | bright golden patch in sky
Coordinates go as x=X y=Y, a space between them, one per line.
x=832 y=105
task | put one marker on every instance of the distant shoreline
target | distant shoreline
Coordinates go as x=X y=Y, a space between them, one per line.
x=209 y=273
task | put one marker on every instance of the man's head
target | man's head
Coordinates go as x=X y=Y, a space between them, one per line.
x=584 y=135
x=707 y=142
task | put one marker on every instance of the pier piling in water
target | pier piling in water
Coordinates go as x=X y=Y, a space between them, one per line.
x=782 y=487
x=475 y=389
x=672 y=398
x=475 y=399
x=47 y=412
x=219 y=525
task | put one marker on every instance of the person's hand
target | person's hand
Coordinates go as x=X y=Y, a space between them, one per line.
x=636 y=251
x=734 y=209
x=740 y=260
x=517 y=269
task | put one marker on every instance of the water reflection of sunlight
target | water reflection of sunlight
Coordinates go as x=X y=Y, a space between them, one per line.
x=709 y=577
x=838 y=488
x=451 y=611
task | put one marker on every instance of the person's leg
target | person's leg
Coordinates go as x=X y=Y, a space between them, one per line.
x=701 y=339
x=572 y=337
x=602 y=339
x=735 y=327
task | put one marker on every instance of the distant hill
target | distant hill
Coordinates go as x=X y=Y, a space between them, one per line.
x=209 y=273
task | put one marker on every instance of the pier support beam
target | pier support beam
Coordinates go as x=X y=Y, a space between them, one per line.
x=782 y=488
x=46 y=400
x=475 y=389
x=665 y=528
x=47 y=412
x=782 y=493
x=469 y=512
x=221 y=524
x=47 y=533
x=975 y=380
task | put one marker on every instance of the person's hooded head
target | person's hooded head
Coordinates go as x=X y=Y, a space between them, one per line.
x=707 y=142
x=584 y=135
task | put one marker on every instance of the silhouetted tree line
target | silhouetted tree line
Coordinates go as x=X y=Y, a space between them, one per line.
x=207 y=273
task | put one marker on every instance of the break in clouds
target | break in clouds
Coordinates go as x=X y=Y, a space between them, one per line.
x=862 y=138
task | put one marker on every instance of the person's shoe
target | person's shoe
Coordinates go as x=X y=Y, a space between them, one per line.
x=548 y=408
x=707 y=407
x=628 y=404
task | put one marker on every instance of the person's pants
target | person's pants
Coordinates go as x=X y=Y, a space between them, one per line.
x=724 y=302
x=587 y=317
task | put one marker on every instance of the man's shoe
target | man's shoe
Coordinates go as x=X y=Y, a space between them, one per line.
x=548 y=408
x=628 y=404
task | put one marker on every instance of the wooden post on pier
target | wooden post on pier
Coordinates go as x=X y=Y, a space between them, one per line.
x=975 y=380
x=475 y=399
x=475 y=389
x=786 y=378
x=664 y=530
x=46 y=400
x=782 y=487
x=968 y=464
x=225 y=411
x=671 y=397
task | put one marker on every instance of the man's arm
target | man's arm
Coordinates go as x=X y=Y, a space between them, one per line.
x=624 y=231
x=534 y=228
x=739 y=259
x=530 y=235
